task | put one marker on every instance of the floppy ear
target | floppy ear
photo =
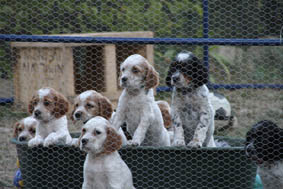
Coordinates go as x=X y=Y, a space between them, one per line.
x=113 y=141
x=82 y=134
x=152 y=78
x=31 y=105
x=165 y=115
x=71 y=116
x=16 y=130
x=105 y=108
x=61 y=105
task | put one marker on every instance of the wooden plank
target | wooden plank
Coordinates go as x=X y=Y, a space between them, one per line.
x=43 y=67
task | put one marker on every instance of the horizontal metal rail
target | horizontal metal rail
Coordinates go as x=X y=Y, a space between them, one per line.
x=120 y=40
x=167 y=41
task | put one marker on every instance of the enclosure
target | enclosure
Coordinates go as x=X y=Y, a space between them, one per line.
x=74 y=46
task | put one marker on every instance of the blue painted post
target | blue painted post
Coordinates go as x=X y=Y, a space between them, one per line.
x=205 y=32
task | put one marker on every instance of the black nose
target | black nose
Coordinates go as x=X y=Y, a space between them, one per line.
x=78 y=115
x=84 y=141
x=37 y=113
x=22 y=138
x=124 y=79
x=175 y=79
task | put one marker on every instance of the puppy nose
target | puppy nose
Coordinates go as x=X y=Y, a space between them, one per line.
x=124 y=79
x=37 y=113
x=22 y=138
x=78 y=115
x=84 y=141
x=175 y=79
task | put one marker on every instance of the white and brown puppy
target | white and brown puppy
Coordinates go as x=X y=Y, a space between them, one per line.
x=137 y=107
x=90 y=104
x=103 y=166
x=191 y=109
x=264 y=145
x=49 y=108
x=24 y=130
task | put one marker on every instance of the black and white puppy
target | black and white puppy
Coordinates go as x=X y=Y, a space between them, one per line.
x=192 y=112
x=264 y=145
x=223 y=111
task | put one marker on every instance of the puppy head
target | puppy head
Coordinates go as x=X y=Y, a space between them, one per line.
x=137 y=73
x=48 y=104
x=186 y=71
x=90 y=104
x=24 y=130
x=264 y=142
x=165 y=111
x=99 y=137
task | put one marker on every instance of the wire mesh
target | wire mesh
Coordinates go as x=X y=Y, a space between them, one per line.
x=238 y=42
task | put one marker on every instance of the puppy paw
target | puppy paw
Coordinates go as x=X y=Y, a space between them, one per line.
x=75 y=142
x=50 y=140
x=35 y=142
x=195 y=144
x=178 y=142
x=133 y=143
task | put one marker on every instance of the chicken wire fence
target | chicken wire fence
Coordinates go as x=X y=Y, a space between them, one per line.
x=75 y=46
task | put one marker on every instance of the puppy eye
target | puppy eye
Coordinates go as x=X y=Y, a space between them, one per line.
x=89 y=105
x=76 y=105
x=20 y=129
x=123 y=69
x=34 y=103
x=97 y=132
x=32 y=131
x=46 y=103
x=83 y=130
x=135 y=70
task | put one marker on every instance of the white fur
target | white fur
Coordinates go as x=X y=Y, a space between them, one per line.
x=50 y=130
x=104 y=171
x=271 y=175
x=218 y=103
x=43 y=92
x=193 y=116
x=86 y=115
x=83 y=96
x=137 y=107
x=183 y=56
x=27 y=122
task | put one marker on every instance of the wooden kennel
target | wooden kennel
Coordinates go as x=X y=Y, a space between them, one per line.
x=72 y=68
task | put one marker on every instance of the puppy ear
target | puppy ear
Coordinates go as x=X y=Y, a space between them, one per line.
x=113 y=141
x=152 y=78
x=61 y=105
x=165 y=115
x=105 y=108
x=79 y=140
x=72 y=114
x=16 y=130
x=31 y=105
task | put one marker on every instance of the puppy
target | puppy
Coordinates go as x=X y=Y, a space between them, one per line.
x=90 y=104
x=49 y=108
x=136 y=105
x=24 y=130
x=222 y=109
x=103 y=167
x=192 y=112
x=264 y=145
